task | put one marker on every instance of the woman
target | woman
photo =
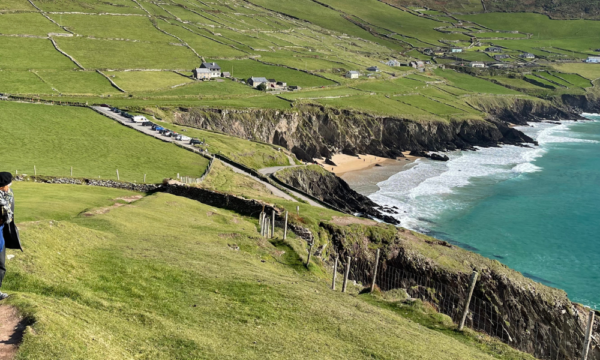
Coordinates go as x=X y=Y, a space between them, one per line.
x=9 y=235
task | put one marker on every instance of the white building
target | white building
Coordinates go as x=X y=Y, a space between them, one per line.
x=202 y=74
x=352 y=74
x=215 y=70
x=477 y=64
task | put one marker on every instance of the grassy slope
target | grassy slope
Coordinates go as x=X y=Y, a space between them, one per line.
x=135 y=81
x=55 y=138
x=27 y=23
x=158 y=279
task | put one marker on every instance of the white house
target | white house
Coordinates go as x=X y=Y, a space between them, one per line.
x=393 y=62
x=202 y=74
x=352 y=74
x=215 y=70
x=457 y=50
x=477 y=64
x=527 y=56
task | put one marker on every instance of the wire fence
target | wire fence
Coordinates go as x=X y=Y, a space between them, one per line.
x=501 y=321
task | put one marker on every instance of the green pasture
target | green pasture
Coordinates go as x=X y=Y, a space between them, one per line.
x=141 y=81
x=13 y=5
x=574 y=79
x=208 y=89
x=329 y=92
x=473 y=84
x=17 y=53
x=378 y=105
x=56 y=138
x=396 y=86
x=203 y=46
x=114 y=27
x=78 y=82
x=588 y=71
x=91 y=6
x=428 y=105
x=27 y=24
x=22 y=82
x=167 y=277
x=244 y=69
x=112 y=54
x=252 y=154
x=518 y=83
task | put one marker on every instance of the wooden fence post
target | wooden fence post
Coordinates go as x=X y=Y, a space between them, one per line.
x=375 y=271
x=297 y=209
x=349 y=259
x=34 y=170
x=285 y=226
x=588 y=335
x=260 y=222
x=144 y=178
x=334 y=272
x=309 y=253
x=468 y=302
x=273 y=225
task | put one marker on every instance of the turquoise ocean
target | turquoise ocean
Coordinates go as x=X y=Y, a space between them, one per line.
x=535 y=209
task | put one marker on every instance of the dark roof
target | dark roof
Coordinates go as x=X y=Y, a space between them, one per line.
x=271 y=80
x=211 y=65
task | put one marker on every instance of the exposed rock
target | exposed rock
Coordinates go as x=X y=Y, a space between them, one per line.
x=439 y=157
x=331 y=189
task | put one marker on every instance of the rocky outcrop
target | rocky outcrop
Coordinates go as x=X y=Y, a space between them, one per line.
x=316 y=131
x=527 y=315
x=331 y=189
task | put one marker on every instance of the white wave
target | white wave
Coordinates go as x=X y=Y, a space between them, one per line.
x=426 y=190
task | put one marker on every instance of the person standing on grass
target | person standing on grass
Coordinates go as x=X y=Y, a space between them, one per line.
x=9 y=234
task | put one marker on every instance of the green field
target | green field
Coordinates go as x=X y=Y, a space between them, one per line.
x=141 y=81
x=471 y=83
x=27 y=23
x=27 y=53
x=588 y=71
x=159 y=279
x=208 y=89
x=112 y=54
x=429 y=105
x=378 y=105
x=22 y=82
x=78 y=82
x=56 y=138
x=91 y=6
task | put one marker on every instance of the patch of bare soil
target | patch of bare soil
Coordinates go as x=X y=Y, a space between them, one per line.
x=130 y=199
x=12 y=327
x=343 y=220
x=103 y=210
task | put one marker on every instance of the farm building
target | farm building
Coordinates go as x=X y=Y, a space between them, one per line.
x=202 y=74
x=373 y=68
x=393 y=62
x=226 y=74
x=456 y=50
x=527 y=56
x=494 y=49
x=352 y=74
x=215 y=70
x=593 y=59
x=255 y=81
x=501 y=57
x=477 y=64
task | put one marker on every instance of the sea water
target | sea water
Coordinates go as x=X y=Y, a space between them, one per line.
x=535 y=209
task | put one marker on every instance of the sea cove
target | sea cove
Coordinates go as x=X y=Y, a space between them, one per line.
x=533 y=209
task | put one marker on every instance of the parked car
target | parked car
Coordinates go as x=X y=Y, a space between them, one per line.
x=159 y=129
x=195 y=142
x=115 y=110
x=167 y=133
x=104 y=105
x=147 y=123
x=139 y=119
x=182 y=138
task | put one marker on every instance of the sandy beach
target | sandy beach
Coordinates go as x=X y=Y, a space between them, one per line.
x=361 y=172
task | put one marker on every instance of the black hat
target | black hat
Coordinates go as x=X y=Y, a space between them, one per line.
x=5 y=178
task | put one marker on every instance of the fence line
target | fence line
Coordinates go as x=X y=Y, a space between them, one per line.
x=540 y=340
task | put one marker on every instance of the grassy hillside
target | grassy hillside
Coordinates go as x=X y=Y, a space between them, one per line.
x=54 y=139
x=139 y=281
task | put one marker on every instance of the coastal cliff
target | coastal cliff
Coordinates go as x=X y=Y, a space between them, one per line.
x=319 y=132
x=536 y=318
x=324 y=185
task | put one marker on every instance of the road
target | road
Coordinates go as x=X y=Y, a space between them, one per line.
x=148 y=131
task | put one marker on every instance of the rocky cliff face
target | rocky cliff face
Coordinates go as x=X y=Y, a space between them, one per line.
x=315 y=132
x=333 y=190
x=527 y=315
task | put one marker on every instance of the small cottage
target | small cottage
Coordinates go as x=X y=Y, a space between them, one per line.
x=457 y=50
x=226 y=74
x=528 y=56
x=494 y=49
x=255 y=81
x=352 y=74
x=593 y=59
x=477 y=64
x=373 y=68
x=393 y=62
x=501 y=57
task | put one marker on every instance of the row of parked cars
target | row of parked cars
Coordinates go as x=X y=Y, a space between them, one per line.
x=139 y=119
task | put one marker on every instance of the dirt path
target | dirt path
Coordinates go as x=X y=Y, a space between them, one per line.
x=12 y=327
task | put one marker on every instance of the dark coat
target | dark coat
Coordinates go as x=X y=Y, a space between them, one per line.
x=11 y=234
